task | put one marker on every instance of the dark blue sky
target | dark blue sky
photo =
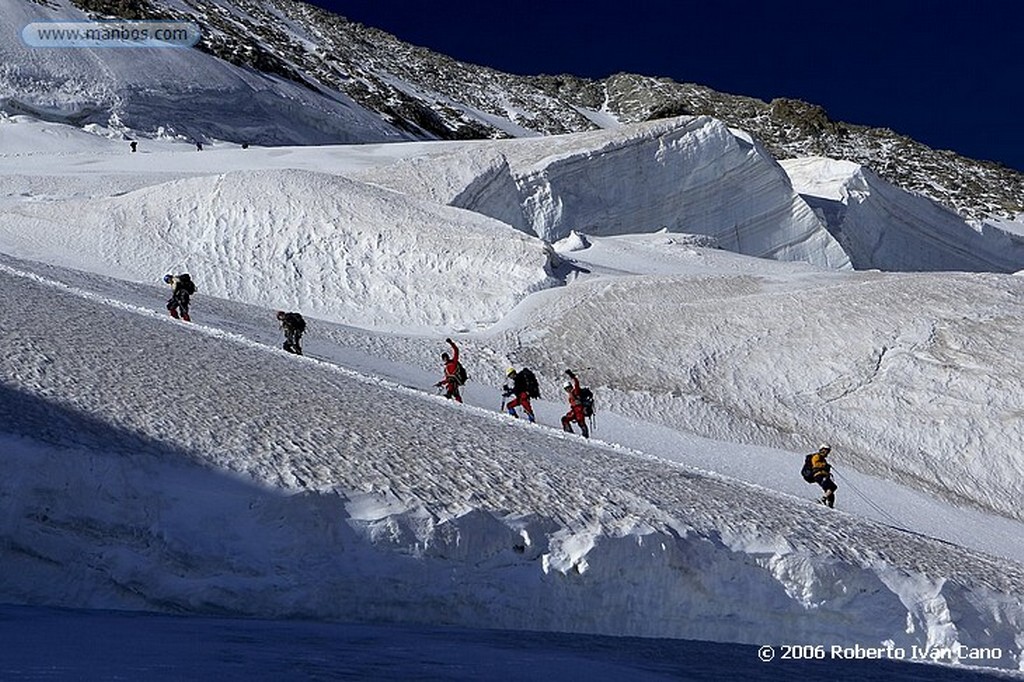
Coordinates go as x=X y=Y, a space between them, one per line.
x=947 y=73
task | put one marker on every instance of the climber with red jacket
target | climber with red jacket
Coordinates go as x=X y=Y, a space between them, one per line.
x=454 y=374
x=577 y=410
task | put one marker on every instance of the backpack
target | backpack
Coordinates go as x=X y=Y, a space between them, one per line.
x=808 y=470
x=295 y=321
x=461 y=377
x=586 y=398
x=185 y=282
x=530 y=382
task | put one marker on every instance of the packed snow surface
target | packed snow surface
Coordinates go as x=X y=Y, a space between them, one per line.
x=690 y=176
x=156 y=465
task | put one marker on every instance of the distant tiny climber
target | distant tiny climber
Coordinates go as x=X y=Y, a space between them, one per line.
x=134 y=145
x=521 y=386
x=294 y=326
x=182 y=289
x=577 y=408
x=817 y=470
x=454 y=373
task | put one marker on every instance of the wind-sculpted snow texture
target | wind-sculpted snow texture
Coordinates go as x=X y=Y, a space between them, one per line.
x=773 y=356
x=687 y=175
x=167 y=92
x=885 y=228
x=155 y=465
x=333 y=247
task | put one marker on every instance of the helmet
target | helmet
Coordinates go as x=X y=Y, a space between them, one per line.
x=567 y=384
x=168 y=278
x=510 y=371
x=445 y=357
x=825 y=447
x=280 y=314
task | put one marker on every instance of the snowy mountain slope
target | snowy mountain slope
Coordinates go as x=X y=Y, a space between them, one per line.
x=324 y=243
x=883 y=227
x=400 y=81
x=695 y=176
x=765 y=354
x=177 y=92
x=285 y=486
x=282 y=226
x=412 y=92
x=154 y=465
x=742 y=355
x=333 y=247
x=684 y=187
x=688 y=175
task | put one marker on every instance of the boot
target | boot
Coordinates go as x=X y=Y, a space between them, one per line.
x=529 y=417
x=185 y=317
x=173 y=312
x=512 y=413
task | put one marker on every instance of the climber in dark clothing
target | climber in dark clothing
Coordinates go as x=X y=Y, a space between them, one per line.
x=294 y=326
x=521 y=386
x=182 y=289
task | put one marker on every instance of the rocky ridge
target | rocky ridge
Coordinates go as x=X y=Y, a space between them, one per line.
x=432 y=96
